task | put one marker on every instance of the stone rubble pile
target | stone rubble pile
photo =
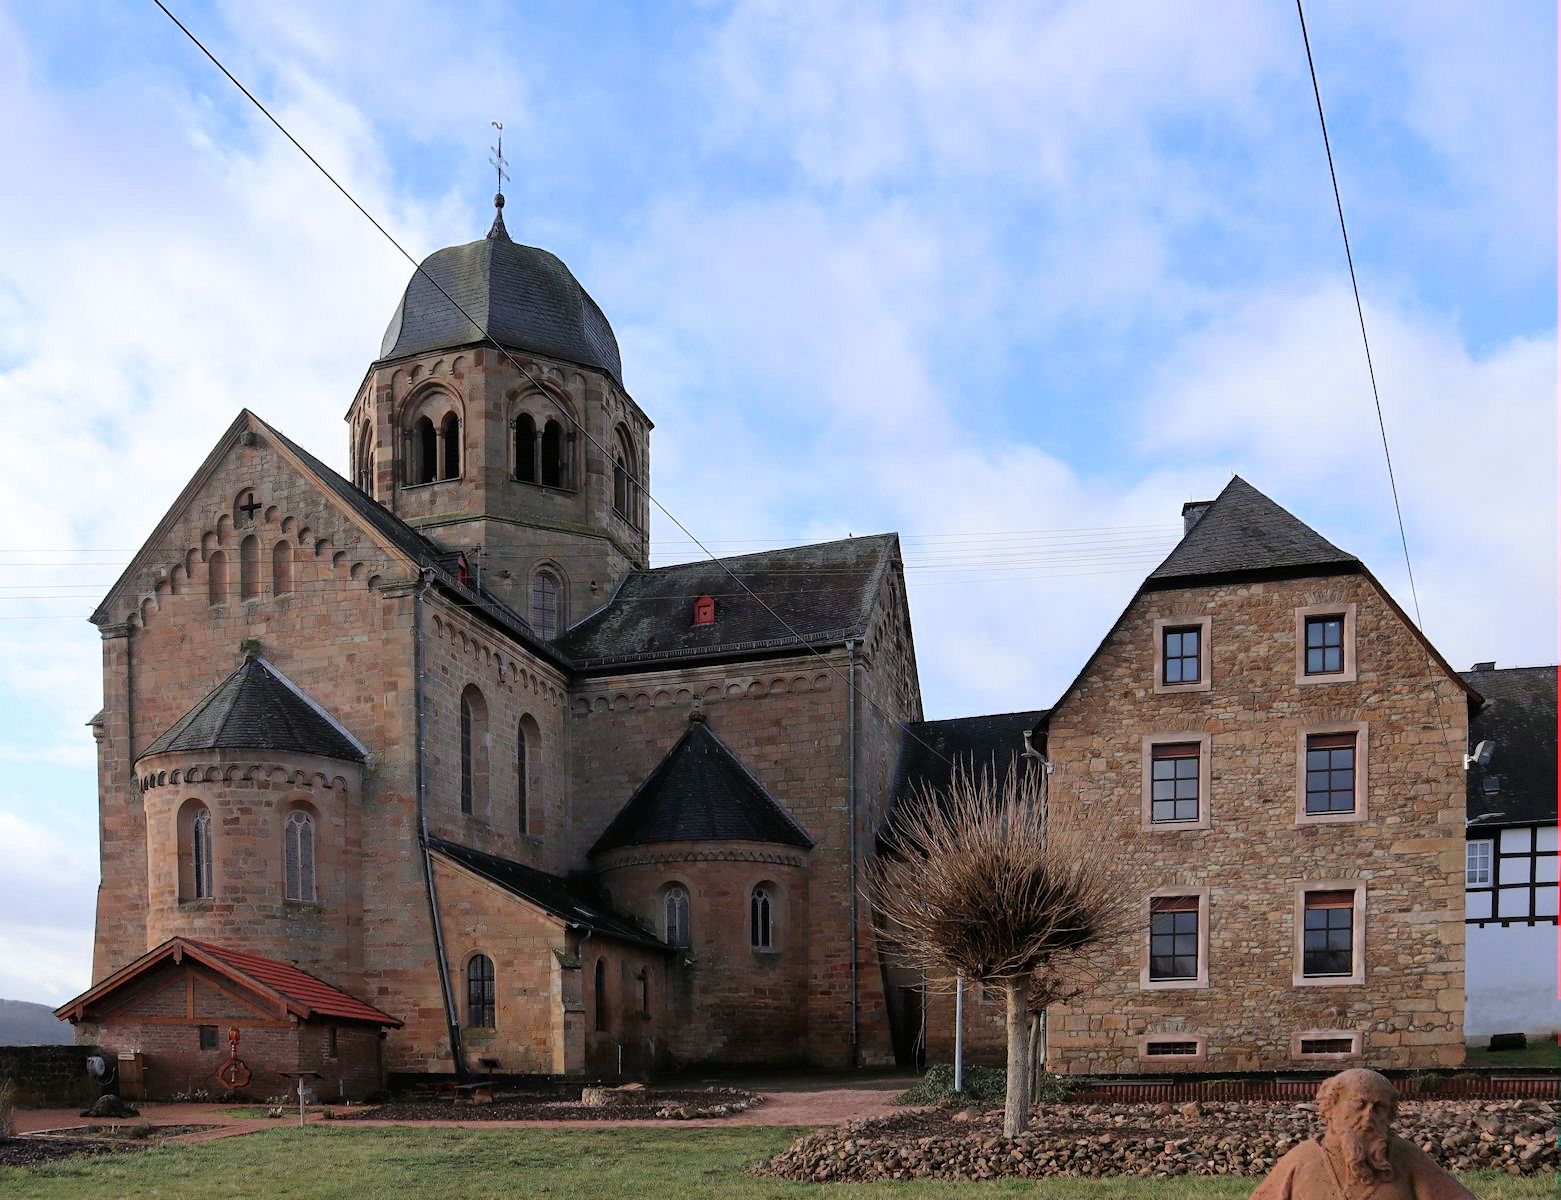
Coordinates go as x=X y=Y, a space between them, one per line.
x=1199 y=1138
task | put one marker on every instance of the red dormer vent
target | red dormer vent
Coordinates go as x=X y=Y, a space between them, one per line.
x=704 y=610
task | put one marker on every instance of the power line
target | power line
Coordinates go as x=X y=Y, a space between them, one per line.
x=1360 y=312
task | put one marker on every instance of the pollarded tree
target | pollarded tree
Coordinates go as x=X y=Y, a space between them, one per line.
x=974 y=881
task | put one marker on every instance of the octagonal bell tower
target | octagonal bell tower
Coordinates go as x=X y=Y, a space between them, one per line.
x=532 y=461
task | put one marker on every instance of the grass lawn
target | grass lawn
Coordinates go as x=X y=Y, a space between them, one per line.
x=1540 y=1052
x=324 y=1162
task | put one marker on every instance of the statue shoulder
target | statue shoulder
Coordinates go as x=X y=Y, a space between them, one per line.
x=1279 y=1184
x=1429 y=1179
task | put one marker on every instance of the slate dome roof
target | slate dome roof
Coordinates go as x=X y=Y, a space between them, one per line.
x=523 y=297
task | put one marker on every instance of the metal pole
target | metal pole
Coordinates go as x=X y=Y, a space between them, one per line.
x=959 y=1033
x=300 y=1102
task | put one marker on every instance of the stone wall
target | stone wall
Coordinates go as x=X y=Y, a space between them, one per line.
x=51 y=1076
x=1255 y=853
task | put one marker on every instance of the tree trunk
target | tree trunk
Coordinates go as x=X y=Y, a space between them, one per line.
x=1016 y=1107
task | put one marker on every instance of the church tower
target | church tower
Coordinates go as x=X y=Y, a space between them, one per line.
x=532 y=463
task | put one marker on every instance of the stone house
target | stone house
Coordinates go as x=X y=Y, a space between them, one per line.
x=1276 y=753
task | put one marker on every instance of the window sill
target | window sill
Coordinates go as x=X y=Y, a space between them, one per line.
x=1175 y=826
x=198 y=904
x=1170 y=689
x=1354 y=817
x=1173 y=985
x=1333 y=677
x=1335 y=981
x=771 y=954
x=428 y=483
x=561 y=489
x=302 y=906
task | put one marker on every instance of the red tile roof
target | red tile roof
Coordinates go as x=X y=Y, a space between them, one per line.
x=314 y=996
x=300 y=993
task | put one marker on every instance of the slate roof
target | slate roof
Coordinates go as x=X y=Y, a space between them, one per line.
x=819 y=594
x=299 y=992
x=931 y=750
x=259 y=708
x=1243 y=532
x=1519 y=715
x=522 y=297
x=548 y=892
x=701 y=792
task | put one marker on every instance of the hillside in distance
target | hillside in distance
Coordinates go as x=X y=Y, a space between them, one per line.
x=23 y=1023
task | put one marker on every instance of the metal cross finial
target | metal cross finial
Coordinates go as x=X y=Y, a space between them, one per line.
x=498 y=162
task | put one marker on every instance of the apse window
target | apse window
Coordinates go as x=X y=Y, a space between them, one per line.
x=761 y=920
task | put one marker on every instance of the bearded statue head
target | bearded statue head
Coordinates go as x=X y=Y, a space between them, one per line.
x=1358 y=1107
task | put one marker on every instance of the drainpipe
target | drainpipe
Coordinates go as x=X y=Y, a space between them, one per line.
x=451 y=1018
x=851 y=645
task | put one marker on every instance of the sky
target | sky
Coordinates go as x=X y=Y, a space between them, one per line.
x=1013 y=279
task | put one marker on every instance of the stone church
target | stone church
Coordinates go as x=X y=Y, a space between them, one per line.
x=428 y=771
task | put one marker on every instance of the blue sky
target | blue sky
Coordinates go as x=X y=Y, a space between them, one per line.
x=962 y=271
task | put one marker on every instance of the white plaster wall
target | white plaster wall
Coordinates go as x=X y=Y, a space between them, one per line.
x=1510 y=979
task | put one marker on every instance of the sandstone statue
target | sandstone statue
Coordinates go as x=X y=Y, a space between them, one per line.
x=1358 y=1158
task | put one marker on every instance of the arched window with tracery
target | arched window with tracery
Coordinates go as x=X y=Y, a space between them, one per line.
x=217 y=578
x=474 y=750
x=199 y=878
x=298 y=858
x=761 y=928
x=481 y=1009
x=425 y=451
x=526 y=448
x=281 y=568
x=601 y=995
x=450 y=447
x=675 y=904
x=625 y=477
x=553 y=466
x=546 y=603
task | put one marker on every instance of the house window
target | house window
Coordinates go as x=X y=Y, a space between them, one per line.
x=601 y=995
x=1328 y=945
x=1169 y=1048
x=330 y=1041
x=1477 y=863
x=1326 y=1046
x=760 y=920
x=1174 y=779
x=200 y=848
x=480 y=993
x=1325 y=644
x=1181 y=657
x=545 y=589
x=1172 y=1047
x=1330 y=773
x=208 y=1037
x=298 y=869
x=676 y=907
x=1173 y=938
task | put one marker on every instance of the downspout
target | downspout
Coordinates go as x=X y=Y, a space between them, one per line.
x=451 y=1019
x=851 y=645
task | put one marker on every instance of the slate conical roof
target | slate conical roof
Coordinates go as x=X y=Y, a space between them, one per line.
x=522 y=297
x=701 y=792
x=1243 y=532
x=259 y=708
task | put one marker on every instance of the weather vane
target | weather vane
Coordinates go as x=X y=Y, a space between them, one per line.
x=498 y=162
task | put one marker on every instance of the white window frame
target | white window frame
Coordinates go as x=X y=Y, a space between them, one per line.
x=1488 y=845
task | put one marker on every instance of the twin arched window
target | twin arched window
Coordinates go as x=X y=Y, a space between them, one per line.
x=625 y=478
x=541 y=459
x=298 y=857
x=480 y=1006
x=436 y=453
x=675 y=903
